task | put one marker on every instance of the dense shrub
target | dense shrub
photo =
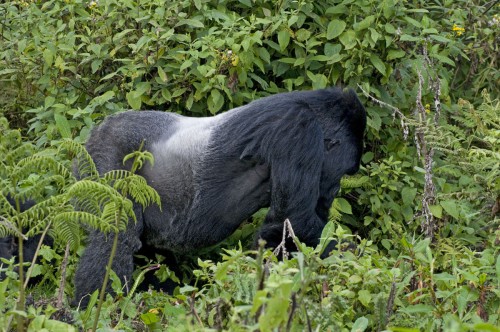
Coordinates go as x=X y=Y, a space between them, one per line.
x=428 y=73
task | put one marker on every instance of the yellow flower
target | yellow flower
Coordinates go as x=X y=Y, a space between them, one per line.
x=427 y=108
x=235 y=60
x=154 y=311
x=458 y=30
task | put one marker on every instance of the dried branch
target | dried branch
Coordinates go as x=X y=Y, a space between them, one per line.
x=395 y=111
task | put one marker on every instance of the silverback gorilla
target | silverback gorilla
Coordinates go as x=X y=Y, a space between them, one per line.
x=287 y=152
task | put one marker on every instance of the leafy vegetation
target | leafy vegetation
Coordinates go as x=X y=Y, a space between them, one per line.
x=423 y=212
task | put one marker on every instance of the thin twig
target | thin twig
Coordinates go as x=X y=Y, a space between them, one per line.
x=62 y=285
x=35 y=255
x=193 y=310
x=395 y=111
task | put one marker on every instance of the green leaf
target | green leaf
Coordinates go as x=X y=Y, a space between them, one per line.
x=417 y=308
x=408 y=38
x=348 y=39
x=190 y=22
x=264 y=55
x=96 y=64
x=364 y=297
x=48 y=56
x=443 y=59
x=215 y=101
x=134 y=100
x=408 y=194
x=377 y=63
x=342 y=205
x=62 y=125
x=413 y=22
x=339 y=9
x=49 y=101
x=360 y=324
x=395 y=54
x=335 y=28
x=364 y=24
x=186 y=64
x=436 y=210
x=440 y=39
x=149 y=318
x=450 y=206
x=283 y=39
x=162 y=74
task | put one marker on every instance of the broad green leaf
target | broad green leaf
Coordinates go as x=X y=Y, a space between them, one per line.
x=162 y=74
x=348 y=39
x=62 y=125
x=149 y=318
x=264 y=55
x=364 y=297
x=186 y=64
x=134 y=100
x=443 y=59
x=95 y=65
x=413 y=22
x=406 y=37
x=364 y=24
x=395 y=54
x=417 y=308
x=49 y=101
x=360 y=324
x=440 y=39
x=408 y=194
x=335 y=28
x=48 y=56
x=436 y=210
x=343 y=205
x=215 y=101
x=377 y=63
x=283 y=39
x=339 y=9
x=450 y=206
x=190 y=22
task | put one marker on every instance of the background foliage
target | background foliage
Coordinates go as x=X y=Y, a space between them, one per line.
x=424 y=209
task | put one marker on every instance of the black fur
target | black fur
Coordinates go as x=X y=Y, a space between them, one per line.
x=287 y=152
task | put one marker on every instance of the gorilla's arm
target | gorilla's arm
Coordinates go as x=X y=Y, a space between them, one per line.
x=296 y=162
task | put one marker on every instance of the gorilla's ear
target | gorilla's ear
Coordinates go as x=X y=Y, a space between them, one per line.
x=330 y=143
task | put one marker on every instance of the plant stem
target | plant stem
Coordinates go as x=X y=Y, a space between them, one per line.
x=21 y=301
x=106 y=275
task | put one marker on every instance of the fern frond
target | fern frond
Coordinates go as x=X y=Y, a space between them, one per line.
x=115 y=175
x=66 y=229
x=7 y=227
x=5 y=207
x=83 y=165
x=22 y=151
x=26 y=166
x=79 y=217
x=36 y=190
x=99 y=193
x=113 y=213
x=136 y=187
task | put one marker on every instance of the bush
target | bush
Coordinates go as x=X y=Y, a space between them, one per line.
x=428 y=74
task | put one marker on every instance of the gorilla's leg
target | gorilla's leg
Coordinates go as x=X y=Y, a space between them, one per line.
x=92 y=267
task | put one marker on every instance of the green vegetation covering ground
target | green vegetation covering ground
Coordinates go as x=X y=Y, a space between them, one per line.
x=423 y=211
